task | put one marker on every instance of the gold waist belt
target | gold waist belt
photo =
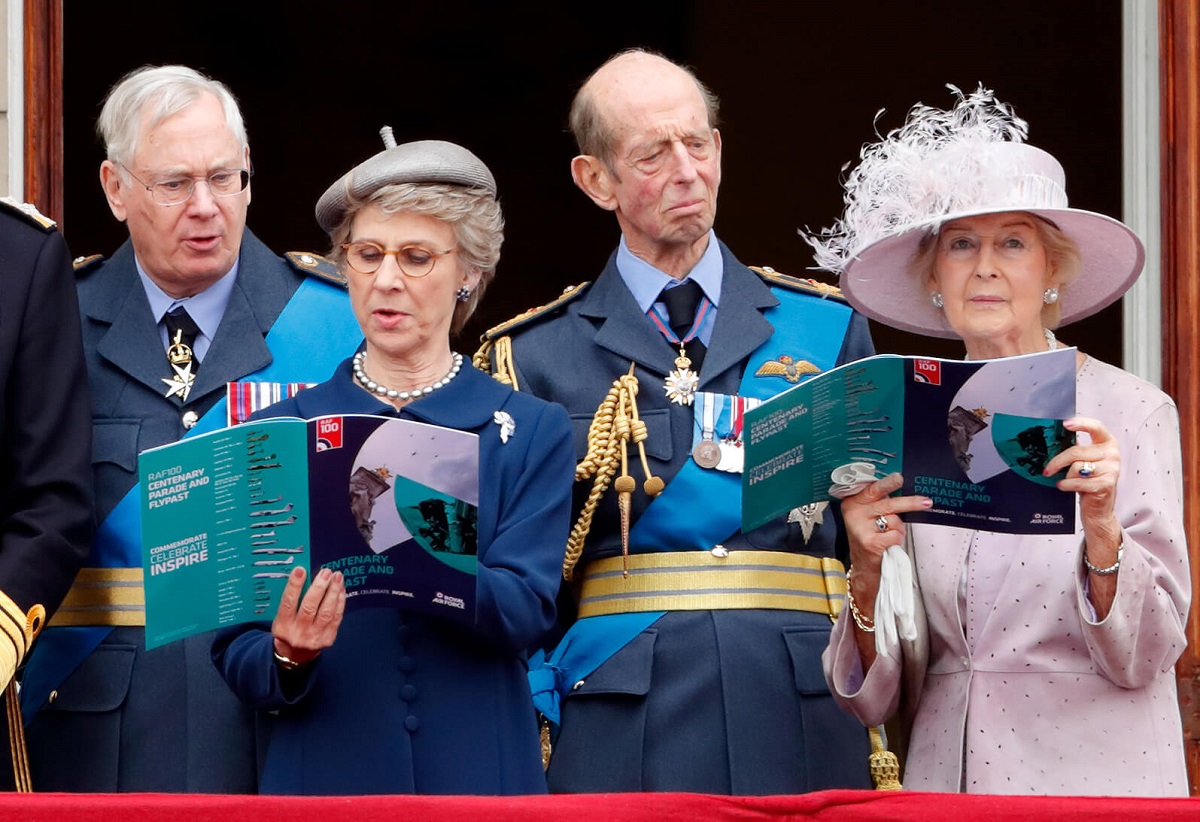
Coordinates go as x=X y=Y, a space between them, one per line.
x=103 y=596
x=706 y=581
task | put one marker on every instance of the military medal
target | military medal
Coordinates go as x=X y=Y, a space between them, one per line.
x=706 y=452
x=179 y=354
x=732 y=457
x=681 y=383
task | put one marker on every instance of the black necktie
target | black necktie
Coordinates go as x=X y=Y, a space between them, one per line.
x=181 y=341
x=681 y=302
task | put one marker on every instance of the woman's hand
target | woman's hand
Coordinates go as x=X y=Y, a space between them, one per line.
x=873 y=525
x=305 y=627
x=1093 y=465
x=861 y=514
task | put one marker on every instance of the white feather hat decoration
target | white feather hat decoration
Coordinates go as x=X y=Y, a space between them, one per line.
x=945 y=165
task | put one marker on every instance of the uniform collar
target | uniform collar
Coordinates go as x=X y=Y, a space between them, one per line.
x=646 y=282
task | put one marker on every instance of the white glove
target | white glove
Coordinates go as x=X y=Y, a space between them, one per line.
x=851 y=478
x=895 y=605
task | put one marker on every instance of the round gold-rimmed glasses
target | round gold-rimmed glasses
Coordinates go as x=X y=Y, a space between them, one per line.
x=413 y=260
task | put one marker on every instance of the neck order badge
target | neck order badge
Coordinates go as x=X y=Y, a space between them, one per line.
x=181 y=333
x=682 y=325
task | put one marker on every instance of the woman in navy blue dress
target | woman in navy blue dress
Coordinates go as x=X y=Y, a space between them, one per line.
x=382 y=700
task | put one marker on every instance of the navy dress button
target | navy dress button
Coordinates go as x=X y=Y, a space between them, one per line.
x=412 y=723
x=407 y=664
x=408 y=693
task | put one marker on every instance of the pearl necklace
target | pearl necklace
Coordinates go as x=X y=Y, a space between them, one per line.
x=394 y=394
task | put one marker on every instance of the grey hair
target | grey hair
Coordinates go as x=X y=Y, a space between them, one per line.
x=594 y=136
x=162 y=91
x=473 y=213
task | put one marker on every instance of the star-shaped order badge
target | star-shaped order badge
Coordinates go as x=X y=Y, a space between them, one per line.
x=181 y=383
x=681 y=383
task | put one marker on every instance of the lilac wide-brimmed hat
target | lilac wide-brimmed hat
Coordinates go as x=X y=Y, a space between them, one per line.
x=941 y=166
x=423 y=161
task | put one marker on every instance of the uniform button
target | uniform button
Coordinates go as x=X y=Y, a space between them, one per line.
x=190 y=418
x=412 y=723
x=407 y=664
x=408 y=693
x=403 y=631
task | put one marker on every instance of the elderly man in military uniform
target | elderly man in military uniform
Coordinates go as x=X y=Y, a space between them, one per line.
x=192 y=302
x=695 y=661
x=45 y=441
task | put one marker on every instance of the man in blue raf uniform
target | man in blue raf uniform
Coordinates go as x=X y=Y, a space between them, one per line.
x=191 y=302
x=695 y=661
x=45 y=439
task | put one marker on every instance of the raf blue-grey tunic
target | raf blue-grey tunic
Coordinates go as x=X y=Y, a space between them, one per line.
x=730 y=701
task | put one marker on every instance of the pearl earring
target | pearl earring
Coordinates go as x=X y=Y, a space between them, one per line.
x=936 y=299
x=463 y=294
x=1050 y=296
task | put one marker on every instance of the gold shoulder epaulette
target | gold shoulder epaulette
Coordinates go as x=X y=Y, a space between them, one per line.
x=29 y=213
x=308 y=262
x=83 y=265
x=569 y=293
x=807 y=286
x=494 y=355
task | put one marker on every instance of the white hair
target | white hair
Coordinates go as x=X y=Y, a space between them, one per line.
x=160 y=91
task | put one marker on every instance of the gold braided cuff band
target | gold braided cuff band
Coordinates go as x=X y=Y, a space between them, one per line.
x=14 y=635
x=104 y=596
x=703 y=581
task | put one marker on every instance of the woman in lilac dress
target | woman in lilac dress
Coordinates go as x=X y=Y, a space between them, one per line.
x=1048 y=662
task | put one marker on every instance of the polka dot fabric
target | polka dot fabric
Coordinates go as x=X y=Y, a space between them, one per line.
x=1024 y=691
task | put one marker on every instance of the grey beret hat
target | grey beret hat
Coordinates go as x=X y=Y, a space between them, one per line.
x=423 y=161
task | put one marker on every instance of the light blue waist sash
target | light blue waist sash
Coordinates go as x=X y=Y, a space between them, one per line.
x=315 y=331
x=804 y=329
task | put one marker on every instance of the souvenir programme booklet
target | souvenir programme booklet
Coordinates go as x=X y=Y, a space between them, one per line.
x=972 y=436
x=226 y=515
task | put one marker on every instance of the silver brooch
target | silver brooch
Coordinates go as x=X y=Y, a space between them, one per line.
x=507 y=426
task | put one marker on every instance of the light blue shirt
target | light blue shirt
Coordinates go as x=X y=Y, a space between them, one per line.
x=646 y=282
x=206 y=308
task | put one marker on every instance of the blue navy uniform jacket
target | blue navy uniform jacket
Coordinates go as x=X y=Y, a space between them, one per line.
x=129 y=719
x=729 y=701
x=407 y=703
x=45 y=437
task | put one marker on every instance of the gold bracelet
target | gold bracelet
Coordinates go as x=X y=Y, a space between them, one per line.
x=859 y=620
x=288 y=664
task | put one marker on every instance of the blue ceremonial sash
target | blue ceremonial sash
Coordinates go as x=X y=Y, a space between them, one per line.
x=669 y=522
x=318 y=311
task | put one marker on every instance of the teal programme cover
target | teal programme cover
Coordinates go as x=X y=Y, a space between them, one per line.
x=390 y=503
x=973 y=436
